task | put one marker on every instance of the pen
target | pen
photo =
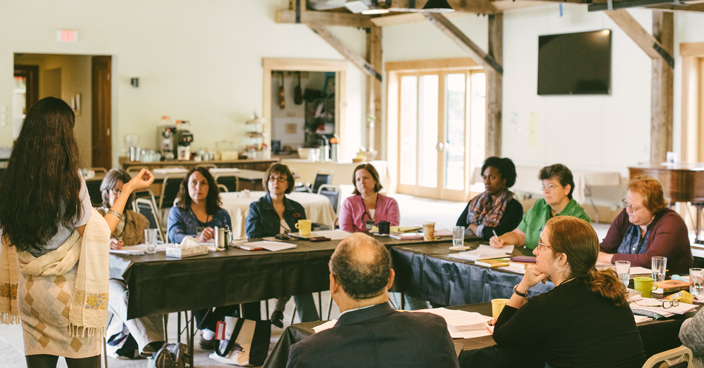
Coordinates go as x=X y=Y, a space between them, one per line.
x=494 y=231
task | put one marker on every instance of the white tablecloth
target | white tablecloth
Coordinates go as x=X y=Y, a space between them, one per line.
x=318 y=208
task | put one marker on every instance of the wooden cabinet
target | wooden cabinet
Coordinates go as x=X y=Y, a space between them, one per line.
x=258 y=165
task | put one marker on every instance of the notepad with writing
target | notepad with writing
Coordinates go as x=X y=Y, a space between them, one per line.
x=484 y=252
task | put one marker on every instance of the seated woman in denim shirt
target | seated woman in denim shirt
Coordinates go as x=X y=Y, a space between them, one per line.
x=198 y=206
x=275 y=214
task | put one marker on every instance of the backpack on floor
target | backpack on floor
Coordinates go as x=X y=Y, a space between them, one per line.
x=170 y=355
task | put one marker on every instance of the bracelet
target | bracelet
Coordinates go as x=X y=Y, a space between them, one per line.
x=515 y=291
x=116 y=214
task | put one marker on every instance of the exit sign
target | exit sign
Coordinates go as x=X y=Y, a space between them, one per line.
x=67 y=35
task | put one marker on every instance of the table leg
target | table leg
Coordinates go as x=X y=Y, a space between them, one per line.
x=191 y=336
x=320 y=304
x=178 y=327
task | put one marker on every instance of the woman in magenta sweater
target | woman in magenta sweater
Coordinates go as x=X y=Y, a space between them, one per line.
x=367 y=204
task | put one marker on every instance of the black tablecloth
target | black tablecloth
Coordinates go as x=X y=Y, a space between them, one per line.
x=657 y=336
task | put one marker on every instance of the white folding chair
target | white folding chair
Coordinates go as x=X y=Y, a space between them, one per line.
x=680 y=357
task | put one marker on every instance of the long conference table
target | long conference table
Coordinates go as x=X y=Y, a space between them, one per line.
x=160 y=285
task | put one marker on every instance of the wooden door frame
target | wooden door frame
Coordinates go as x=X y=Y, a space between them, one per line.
x=31 y=73
x=307 y=65
x=96 y=103
x=691 y=147
x=393 y=71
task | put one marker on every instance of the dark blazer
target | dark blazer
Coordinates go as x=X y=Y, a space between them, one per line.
x=378 y=336
x=263 y=220
x=507 y=223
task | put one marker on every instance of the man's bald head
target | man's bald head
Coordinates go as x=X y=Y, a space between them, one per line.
x=361 y=265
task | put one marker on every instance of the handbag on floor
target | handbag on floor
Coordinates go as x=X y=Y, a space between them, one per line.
x=171 y=355
x=245 y=344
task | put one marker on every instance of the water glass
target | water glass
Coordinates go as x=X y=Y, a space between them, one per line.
x=458 y=236
x=150 y=240
x=697 y=277
x=623 y=269
x=658 y=269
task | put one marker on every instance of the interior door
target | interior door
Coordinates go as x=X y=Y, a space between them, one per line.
x=101 y=112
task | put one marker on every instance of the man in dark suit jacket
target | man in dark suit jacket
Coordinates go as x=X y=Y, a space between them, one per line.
x=369 y=332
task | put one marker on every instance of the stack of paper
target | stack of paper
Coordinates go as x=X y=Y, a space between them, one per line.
x=325 y=326
x=639 y=308
x=271 y=246
x=461 y=324
x=640 y=271
x=484 y=252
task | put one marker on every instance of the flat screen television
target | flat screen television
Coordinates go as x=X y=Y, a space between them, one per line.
x=575 y=63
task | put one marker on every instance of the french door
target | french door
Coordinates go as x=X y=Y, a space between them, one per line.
x=442 y=131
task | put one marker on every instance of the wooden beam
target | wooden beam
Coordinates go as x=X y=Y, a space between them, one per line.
x=456 y=35
x=469 y=6
x=692 y=8
x=395 y=19
x=337 y=44
x=374 y=121
x=661 y=100
x=640 y=36
x=324 y=18
x=494 y=87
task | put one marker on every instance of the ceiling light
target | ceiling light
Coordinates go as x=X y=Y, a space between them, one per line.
x=437 y=6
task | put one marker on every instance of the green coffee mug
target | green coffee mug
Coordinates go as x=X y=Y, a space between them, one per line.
x=644 y=285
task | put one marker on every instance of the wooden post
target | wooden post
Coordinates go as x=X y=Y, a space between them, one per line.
x=661 y=89
x=494 y=87
x=374 y=121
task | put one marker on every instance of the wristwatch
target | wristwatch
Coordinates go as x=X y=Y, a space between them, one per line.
x=515 y=291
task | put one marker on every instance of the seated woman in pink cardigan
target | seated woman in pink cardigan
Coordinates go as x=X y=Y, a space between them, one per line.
x=367 y=204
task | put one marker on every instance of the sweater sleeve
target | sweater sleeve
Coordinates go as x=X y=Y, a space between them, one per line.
x=614 y=236
x=509 y=221
x=665 y=241
x=176 y=225
x=346 y=220
x=392 y=213
x=691 y=333
x=514 y=325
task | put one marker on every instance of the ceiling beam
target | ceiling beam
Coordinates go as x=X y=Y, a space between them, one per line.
x=469 y=6
x=693 y=8
x=337 y=44
x=600 y=6
x=640 y=36
x=459 y=38
x=324 y=18
x=407 y=18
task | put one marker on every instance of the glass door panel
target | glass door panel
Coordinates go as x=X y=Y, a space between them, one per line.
x=477 y=119
x=455 y=119
x=428 y=126
x=408 y=147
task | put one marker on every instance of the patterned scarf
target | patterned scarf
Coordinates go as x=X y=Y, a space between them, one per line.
x=89 y=302
x=482 y=209
x=632 y=242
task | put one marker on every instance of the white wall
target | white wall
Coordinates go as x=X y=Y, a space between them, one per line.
x=197 y=61
x=608 y=131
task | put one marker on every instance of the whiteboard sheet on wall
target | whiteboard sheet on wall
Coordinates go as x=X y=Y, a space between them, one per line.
x=279 y=131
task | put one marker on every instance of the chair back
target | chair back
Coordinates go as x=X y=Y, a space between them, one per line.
x=321 y=179
x=169 y=191
x=332 y=192
x=96 y=197
x=230 y=182
x=680 y=357
x=147 y=209
x=99 y=170
x=223 y=189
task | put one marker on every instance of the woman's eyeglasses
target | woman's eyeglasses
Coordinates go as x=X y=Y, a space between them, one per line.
x=279 y=179
x=542 y=246
x=630 y=207
x=666 y=304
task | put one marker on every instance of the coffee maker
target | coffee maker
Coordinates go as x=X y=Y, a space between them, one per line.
x=183 y=140
x=166 y=141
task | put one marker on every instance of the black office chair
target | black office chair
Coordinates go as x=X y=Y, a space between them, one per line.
x=332 y=192
x=320 y=179
x=147 y=209
x=96 y=197
x=231 y=182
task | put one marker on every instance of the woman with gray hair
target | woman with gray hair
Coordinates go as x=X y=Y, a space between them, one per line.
x=130 y=229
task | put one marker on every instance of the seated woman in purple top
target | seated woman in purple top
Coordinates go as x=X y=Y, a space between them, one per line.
x=367 y=204
x=647 y=228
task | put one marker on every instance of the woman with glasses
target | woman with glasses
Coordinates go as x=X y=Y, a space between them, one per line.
x=647 y=228
x=275 y=214
x=147 y=331
x=367 y=207
x=494 y=212
x=585 y=321
x=557 y=185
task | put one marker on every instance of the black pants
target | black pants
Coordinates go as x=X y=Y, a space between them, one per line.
x=250 y=310
x=49 y=361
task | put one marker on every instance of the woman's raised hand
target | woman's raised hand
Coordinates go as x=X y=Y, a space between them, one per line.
x=141 y=181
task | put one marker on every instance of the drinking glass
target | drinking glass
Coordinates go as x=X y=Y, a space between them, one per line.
x=150 y=240
x=697 y=277
x=458 y=236
x=658 y=269
x=623 y=269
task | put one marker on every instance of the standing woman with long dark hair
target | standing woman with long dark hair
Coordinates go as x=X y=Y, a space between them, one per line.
x=54 y=261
